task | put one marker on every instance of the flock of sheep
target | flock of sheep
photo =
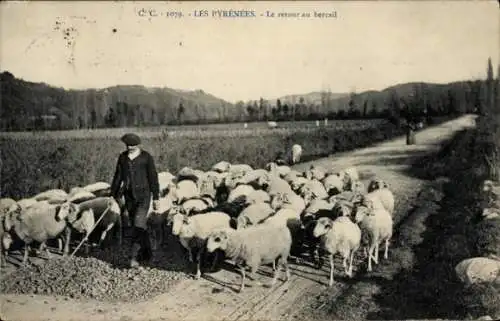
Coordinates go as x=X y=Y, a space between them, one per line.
x=251 y=216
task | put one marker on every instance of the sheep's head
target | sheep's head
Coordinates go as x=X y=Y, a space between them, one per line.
x=271 y=167
x=323 y=225
x=186 y=230
x=361 y=211
x=298 y=183
x=66 y=209
x=308 y=195
x=377 y=184
x=6 y=241
x=333 y=184
x=263 y=181
x=13 y=213
x=343 y=209
x=83 y=222
x=221 y=167
x=178 y=220
x=491 y=213
x=488 y=185
x=358 y=187
x=242 y=221
x=217 y=240
x=278 y=200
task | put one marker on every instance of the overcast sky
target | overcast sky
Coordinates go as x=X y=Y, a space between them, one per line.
x=370 y=45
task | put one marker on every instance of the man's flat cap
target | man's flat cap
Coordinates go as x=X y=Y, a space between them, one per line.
x=131 y=139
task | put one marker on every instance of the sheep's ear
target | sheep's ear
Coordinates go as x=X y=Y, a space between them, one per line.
x=8 y=221
x=59 y=217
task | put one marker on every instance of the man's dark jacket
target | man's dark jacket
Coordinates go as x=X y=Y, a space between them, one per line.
x=142 y=174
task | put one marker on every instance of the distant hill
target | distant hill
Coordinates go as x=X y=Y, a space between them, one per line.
x=24 y=101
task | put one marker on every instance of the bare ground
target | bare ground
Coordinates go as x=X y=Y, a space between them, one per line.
x=214 y=297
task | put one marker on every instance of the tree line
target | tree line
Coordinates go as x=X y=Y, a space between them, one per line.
x=34 y=106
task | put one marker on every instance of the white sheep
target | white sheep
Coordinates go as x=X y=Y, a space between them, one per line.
x=252 y=176
x=317 y=205
x=184 y=190
x=351 y=172
x=42 y=222
x=220 y=167
x=333 y=184
x=273 y=185
x=111 y=218
x=296 y=153
x=376 y=184
x=240 y=191
x=258 y=196
x=292 y=175
x=26 y=202
x=240 y=168
x=381 y=198
x=52 y=195
x=378 y=224
x=288 y=200
x=339 y=236
x=278 y=170
x=78 y=195
x=490 y=213
x=254 y=246
x=165 y=181
x=297 y=183
x=193 y=232
x=272 y=124
x=315 y=171
x=98 y=187
x=313 y=189
x=196 y=205
x=253 y=215
x=478 y=269
x=283 y=217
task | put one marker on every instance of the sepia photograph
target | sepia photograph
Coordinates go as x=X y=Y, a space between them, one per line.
x=249 y=160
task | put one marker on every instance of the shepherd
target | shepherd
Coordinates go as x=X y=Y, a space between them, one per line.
x=136 y=179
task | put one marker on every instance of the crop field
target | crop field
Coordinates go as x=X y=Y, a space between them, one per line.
x=35 y=162
x=233 y=129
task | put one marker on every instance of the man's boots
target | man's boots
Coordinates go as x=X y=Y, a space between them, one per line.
x=134 y=255
x=146 y=250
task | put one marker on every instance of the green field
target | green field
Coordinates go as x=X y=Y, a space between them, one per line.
x=34 y=162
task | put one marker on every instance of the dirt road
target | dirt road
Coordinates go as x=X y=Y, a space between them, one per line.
x=214 y=297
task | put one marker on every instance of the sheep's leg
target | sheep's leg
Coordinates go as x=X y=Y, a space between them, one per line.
x=275 y=275
x=375 y=258
x=67 y=241
x=351 y=258
x=386 y=252
x=331 y=270
x=103 y=234
x=44 y=246
x=59 y=244
x=25 y=257
x=370 y=256
x=253 y=273
x=198 y=260
x=287 y=270
x=214 y=262
x=242 y=286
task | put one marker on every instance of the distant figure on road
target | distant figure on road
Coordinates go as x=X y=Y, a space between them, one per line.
x=137 y=180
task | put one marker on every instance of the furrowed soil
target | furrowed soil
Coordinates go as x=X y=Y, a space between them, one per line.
x=306 y=296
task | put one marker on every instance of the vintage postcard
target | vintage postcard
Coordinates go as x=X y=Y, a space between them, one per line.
x=249 y=160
